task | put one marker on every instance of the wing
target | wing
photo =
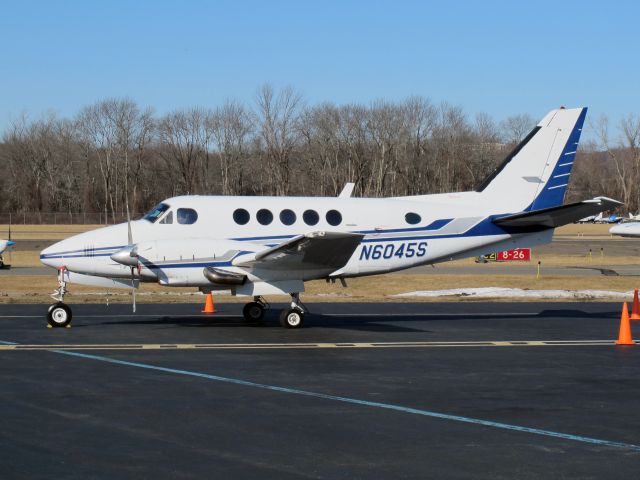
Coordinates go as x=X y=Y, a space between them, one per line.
x=556 y=216
x=313 y=251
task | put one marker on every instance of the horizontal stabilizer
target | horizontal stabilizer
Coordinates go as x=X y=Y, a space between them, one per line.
x=316 y=250
x=556 y=216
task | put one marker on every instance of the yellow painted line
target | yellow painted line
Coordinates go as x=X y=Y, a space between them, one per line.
x=254 y=346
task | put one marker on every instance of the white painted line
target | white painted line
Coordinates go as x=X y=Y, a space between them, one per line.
x=5 y=346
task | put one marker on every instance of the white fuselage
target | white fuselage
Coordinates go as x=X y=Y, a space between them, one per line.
x=4 y=244
x=630 y=229
x=398 y=234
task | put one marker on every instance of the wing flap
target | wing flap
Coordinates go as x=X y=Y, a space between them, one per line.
x=316 y=250
x=556 y=216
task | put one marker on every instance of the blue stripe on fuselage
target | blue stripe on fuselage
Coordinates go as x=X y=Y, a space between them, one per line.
x=484 y=227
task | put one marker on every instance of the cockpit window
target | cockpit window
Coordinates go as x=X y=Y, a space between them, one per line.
x=168 y=218
x=187 y=216
x=156 y=212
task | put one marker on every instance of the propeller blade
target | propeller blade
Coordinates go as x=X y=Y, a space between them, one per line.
x=129 y=233
x=133 y=291
x=130 y=259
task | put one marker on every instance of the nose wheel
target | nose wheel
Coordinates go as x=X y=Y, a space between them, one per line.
x=59 y=314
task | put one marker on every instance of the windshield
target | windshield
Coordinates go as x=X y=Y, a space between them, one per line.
x=156 y=212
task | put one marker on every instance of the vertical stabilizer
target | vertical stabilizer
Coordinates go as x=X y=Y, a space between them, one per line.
x=536 y=173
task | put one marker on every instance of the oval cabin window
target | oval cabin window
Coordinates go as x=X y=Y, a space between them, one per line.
x=412 y=218
x=241 y=216
x=264 y=216
x=287 y=217
x=334 y=217
x=310 y=217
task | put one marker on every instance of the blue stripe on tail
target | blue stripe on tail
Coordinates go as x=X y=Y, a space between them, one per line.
x=552 y=194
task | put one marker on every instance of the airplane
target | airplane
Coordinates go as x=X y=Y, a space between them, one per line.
x=4 y=244
x=609 y=219
x=601 y=219
x=590 y=219
x=629 y=229
x=631 y=218
x=260 y=246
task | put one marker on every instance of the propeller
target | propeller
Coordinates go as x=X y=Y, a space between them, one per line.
x=133 y=254
x=10 y=243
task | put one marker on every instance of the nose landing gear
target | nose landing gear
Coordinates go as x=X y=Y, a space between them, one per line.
x=59 y=314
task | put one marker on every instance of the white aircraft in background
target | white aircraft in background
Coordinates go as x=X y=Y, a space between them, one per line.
x=631 y=218
x=609 y=219
x=257 y=246
x=4 y=244
x=590 y=218
x=630 y=229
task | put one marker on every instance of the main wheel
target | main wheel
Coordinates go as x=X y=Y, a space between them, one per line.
x=253 y=312
x=59 y=315
x=291 y=318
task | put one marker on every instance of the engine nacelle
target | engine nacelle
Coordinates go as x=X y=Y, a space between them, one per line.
x=185 y=261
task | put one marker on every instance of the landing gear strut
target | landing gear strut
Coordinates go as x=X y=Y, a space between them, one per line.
x=293 y=317
x=59 y=314
x=254 y=311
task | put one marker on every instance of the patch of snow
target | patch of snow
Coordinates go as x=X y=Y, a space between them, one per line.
x=499 y=292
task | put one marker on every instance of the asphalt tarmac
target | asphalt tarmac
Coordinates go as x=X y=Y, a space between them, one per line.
x=437 y=390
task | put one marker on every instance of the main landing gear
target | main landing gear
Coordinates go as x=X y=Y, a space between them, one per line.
x=59 y=314
x=254 y=311
x=291 y=317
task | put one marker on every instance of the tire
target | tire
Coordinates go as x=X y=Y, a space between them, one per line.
x=59 y=315
x=253 y=312
x=292 y=318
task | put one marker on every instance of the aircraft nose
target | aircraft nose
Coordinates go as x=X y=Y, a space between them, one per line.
x=52 y=256
x=616 y=230
x=10 y=243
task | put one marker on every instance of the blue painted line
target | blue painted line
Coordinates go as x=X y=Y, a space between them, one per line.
x=435 y=225
x=83 y=250
x=89 y=255
x=355 y=401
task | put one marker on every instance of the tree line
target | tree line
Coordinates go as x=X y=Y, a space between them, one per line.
x=115 y=153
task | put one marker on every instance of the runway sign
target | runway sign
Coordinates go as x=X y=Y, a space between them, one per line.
x=515 y=255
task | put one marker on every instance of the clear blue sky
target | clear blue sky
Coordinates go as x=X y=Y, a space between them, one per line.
x=501 y=58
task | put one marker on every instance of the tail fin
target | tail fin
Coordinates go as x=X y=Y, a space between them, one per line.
x=536 y=173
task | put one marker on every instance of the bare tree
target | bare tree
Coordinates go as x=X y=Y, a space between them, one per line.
x=184 y=139
x=231 y=125
x=516 y=127
x=278 y=116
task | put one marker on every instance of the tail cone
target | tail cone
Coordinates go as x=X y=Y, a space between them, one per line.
x=624 y=337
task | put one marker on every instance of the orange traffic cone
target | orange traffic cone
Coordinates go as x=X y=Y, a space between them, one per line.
x=208 y=304
x=624 y=338
x=635 y=310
